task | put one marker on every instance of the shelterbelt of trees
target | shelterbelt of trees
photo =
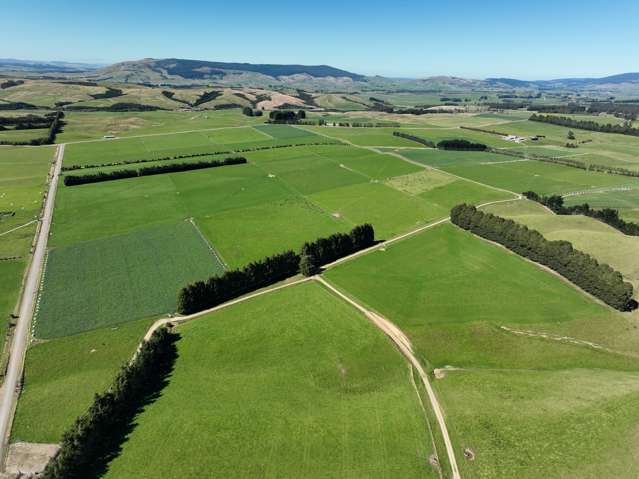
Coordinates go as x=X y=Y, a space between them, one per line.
x=457 y=144
x=606 y=215
x=629 y=111
x=96 y=435
x=216 y=290
x=624 y=129
x=600 y=280
x=73 y=180
x=51 y=120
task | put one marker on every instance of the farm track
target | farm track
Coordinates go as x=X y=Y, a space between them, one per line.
x=10 y=388
x=403 y=344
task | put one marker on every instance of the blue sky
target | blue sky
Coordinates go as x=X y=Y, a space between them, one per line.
x=528 y=40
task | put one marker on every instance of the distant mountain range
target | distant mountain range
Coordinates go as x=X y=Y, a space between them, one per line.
x=580 y=83
x=10 y=64
x=174 y=71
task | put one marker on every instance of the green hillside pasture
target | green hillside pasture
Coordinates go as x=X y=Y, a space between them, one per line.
x=108 y=281
x=291 y=384
x=519 y=176
x=531 y=424
x=363 y=136
x=587 y=234
x=48 y=93
x=62 y=375
x=450 y=292
x=333 y=101
x=94 y=125
x=283 y=132
x=625 y=200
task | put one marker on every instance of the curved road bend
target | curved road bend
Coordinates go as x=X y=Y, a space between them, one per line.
x=20 y=341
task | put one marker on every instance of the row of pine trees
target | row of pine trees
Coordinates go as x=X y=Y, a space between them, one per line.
x=216 y=290
x=600 y=280
x=605 y=215
x=96 y=435
x=100 y=176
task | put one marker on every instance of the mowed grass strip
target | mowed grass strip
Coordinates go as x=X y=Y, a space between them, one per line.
x=295 y=383
x=112 y=280
x=62 y=375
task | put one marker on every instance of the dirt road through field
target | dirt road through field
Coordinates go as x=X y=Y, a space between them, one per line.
x=404 y=346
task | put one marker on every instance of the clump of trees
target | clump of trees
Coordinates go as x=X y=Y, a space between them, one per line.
x=326 y=250
x=606 y=215
x=216 y=290
x=286 y=116
x=10 y=83
x=417 y=139
x=461 y=145
x=73 y=180
x=600 y=280
x=94 y=437
x=109 y=93
x=624 y=129
x=248 y=111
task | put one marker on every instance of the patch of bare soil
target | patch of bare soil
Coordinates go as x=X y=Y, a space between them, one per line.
x=469 y=454
x=28 y=458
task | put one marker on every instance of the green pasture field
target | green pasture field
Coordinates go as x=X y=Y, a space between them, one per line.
x=519 y=176
x=288 y=195
x=99 y=283
x=626 y=201
x=62 y=375
x=283 y=132
x=451 y=293
x=149 y=147
x=23 y=177
x=94 y=125
x=255 y=232
x=437 y=135
x=586 y=234
x=362 y=136
x=292 y=384
x=593 y=147
x=23 y=135
x=10 y=282
x=530 y=424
